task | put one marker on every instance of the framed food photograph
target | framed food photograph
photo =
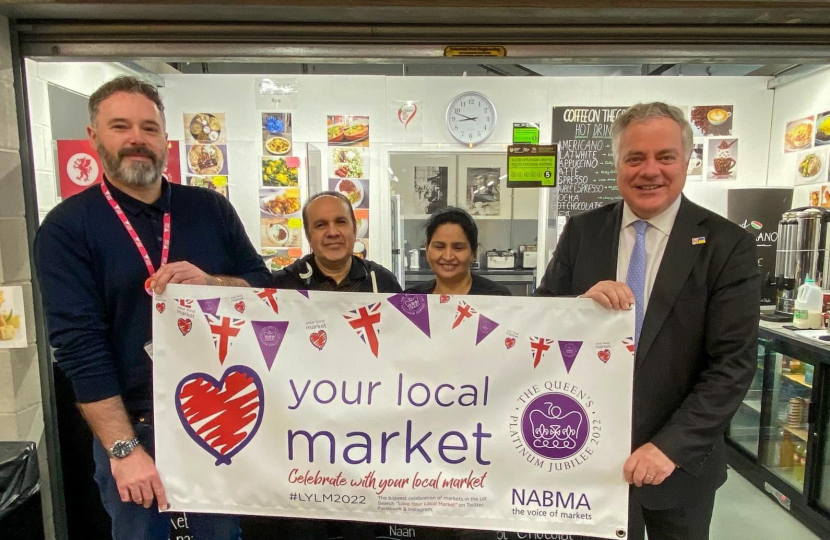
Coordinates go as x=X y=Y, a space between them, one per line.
x=346 y=130
x=798 y=135
x=219 y=184
x=361 y=216
x=277 y=259
x=811 y=167
x=722 y=159
x=279 y=202
x=207 y=159
x=280 y=232
x=280 y=172
x=711 y=120
x=277 y=134
x=824 y=198
x=357 y=191
x=205 y=128
x=349 y=162
x=12 y=319
x=822 y=136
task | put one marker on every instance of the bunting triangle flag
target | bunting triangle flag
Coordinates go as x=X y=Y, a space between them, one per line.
x=366 y=322
x=462 y=313
x=269 y=296
x=569 y=350
x=209 y=306
x=304 y=293
x=269 y=335
x=538 y=347
x=414 y=307
x=224 y=330
x=485 y=328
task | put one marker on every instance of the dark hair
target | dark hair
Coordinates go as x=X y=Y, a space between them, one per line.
x=458 y=216
x=129 y=85
x=336 y=195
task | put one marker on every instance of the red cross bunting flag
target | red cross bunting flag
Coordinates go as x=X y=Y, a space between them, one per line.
x=471 y=412
x=366 y=322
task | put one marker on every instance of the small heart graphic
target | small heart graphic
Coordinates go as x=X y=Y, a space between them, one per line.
x=445 y=298
x=160 y=307
x=509 y=342
x=239 y=306
x=185 y=326
x=318 y=339
x=221 y=416
x=604 y=355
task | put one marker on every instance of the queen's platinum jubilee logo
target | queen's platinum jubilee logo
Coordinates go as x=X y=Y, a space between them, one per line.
x=555 y=426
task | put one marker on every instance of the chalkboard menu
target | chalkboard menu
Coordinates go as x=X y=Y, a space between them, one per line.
x=587 y=178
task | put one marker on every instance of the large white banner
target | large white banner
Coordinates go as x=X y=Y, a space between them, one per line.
x=509 y=414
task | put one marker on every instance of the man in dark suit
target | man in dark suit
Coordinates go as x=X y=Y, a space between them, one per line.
x=692 y=278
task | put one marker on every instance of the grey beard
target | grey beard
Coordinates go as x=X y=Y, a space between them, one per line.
x=140 y=174
x=137 y=174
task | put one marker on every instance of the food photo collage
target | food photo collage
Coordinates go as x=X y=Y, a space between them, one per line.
x=280 y=206
x=348 y=163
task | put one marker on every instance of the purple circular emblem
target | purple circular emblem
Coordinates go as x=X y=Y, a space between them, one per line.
x=555 y=426
x=269 y=336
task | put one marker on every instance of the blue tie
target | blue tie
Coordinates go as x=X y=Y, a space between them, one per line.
x=636 y=277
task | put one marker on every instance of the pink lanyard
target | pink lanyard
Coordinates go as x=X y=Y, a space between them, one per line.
x=165 y=250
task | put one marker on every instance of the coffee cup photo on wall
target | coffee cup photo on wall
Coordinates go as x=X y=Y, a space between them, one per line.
x=722 y=159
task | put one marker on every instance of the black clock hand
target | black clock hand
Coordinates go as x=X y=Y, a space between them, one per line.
x=464 y=115
x=468 y=119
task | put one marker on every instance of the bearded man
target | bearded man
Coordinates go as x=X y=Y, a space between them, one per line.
x=99 y=256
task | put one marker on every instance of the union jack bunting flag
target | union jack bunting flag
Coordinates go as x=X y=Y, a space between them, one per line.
x=224 y=329
x=366 y=321
x=464 y=311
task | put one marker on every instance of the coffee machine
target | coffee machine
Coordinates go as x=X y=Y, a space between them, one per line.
x=802 y=251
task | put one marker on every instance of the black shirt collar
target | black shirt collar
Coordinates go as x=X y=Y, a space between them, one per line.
x=134 y=206
x=356 y=273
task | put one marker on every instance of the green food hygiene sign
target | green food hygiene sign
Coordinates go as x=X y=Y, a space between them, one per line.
x=530 y=165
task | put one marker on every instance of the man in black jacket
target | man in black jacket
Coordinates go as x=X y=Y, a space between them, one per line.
x=331 y=229
x=692 y=278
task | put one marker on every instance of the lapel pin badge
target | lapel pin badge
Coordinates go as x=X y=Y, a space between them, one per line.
x=698 y=241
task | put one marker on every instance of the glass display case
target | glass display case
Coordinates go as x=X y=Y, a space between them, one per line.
x=778 y=438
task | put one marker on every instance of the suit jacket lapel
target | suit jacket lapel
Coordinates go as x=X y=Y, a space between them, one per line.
x=677 y=263
x=608 y=241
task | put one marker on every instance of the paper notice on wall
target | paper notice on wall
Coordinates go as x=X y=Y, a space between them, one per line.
x=272 y=93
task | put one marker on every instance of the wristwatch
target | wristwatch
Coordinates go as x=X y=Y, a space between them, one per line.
x=122 y=449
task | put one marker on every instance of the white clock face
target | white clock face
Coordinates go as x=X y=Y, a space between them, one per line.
x=471 y=118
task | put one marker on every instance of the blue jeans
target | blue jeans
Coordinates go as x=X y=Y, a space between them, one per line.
x=131 y=521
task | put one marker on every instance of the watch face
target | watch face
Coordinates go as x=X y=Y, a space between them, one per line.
x=122 y=449
x=471 y=118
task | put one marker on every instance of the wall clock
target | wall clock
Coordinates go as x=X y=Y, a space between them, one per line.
x=471 y=118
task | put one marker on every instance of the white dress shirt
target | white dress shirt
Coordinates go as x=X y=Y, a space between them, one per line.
x=657 y=236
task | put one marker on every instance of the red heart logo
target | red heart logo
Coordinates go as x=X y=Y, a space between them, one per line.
x=604 y=355
x=221 y=416
x=239 y=306
x=160 y=307
x=185 y=326
x=509 y=342
x=445 y=298
x=318 y=339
